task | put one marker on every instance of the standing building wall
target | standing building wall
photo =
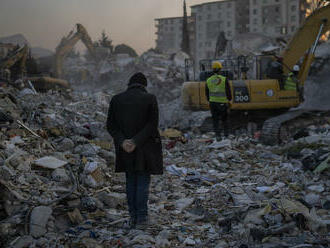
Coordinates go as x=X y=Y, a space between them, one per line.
x=274 y=18
x=169 y=34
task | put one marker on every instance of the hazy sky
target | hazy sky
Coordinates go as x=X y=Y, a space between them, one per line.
x=45 y=22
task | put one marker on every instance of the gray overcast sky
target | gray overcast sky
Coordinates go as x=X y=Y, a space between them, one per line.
x=45 y=22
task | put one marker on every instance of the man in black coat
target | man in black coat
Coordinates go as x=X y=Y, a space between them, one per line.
x=133 y=124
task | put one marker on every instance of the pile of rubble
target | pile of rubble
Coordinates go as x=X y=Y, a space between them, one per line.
x=165 y=73
x=58 y=188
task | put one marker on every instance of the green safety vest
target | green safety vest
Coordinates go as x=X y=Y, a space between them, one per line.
x=217 y=91
x=290 y=83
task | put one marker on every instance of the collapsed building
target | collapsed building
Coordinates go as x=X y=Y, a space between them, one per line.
x=58 y=187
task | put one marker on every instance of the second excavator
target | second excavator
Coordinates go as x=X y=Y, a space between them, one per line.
x=67 y=44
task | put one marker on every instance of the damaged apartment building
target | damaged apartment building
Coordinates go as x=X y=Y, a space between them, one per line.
x=274 y=18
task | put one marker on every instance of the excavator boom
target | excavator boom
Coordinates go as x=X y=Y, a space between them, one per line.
x=67 y=45
x=305 y=37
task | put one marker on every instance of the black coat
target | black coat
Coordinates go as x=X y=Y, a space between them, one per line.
x=133 y=114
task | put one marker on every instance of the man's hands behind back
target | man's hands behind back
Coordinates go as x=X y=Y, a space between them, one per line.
x=128 y=145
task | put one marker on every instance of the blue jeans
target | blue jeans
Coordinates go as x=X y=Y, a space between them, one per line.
x=137 y=190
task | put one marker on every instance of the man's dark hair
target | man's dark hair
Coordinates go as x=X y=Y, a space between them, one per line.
x=138 y=78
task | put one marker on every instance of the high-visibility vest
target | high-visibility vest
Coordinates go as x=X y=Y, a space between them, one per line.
x=217 y=90
x=290 y=83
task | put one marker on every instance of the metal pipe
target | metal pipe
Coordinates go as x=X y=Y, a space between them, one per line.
x=318 y=37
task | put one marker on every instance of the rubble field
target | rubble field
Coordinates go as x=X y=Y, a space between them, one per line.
x=58 y=187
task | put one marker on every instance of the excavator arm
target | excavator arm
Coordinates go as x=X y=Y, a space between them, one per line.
x=18 y=55
x=67 y=45
x=305 y=40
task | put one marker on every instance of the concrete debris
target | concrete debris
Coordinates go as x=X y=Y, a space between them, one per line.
x=50 y=162
x=58 y=187
x=38 y=220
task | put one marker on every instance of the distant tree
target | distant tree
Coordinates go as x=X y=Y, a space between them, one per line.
x=105 y=41
x=122 y=48
x=185 y=46
x=309 y=6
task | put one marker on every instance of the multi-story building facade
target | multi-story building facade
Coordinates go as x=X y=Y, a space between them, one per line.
x=169 y=33
x=228 y=16
x=275 y=18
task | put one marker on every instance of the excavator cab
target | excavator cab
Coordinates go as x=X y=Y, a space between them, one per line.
x=228 y=70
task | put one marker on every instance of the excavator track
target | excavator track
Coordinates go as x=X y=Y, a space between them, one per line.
x=281 y=128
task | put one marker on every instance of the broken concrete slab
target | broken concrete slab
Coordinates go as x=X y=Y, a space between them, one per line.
x=38 y=220
x=50 y=162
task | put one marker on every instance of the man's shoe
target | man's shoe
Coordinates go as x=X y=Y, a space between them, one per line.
x=130 y=223
x=142 y=225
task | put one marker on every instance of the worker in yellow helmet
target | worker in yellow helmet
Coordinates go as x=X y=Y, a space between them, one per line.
x=218 y=94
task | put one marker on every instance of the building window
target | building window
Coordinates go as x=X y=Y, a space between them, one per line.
x=293 y=8
x=219 y=15
x=229 y=5
x=293 y=28
x=293 y=18
x=278 y=29
x=200 y=44
x=228 y=24
x=277 y=9
x=284 y=31
x=199 y=18
x=254 y=2
x=255 y=21
x=219 y=5
x=229 y=33
x=172 y=29
x=208 y=7
x=209 y=17
x=255 y=11
x=277 y=19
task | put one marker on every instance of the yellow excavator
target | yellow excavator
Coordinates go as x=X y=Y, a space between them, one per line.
x=42 y=83
x=67 y=44
x=263 y=94
x=18 y=55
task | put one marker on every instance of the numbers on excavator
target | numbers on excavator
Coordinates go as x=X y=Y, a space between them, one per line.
x=241 y=94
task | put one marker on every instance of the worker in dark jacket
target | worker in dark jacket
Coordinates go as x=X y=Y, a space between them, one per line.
x=218 y=94
x=133 y=124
